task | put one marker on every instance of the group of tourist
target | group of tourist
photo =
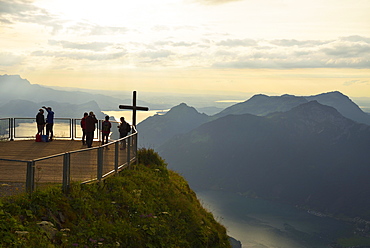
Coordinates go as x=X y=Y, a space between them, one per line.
x=88 y=127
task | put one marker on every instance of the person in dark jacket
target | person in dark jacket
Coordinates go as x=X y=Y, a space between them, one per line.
x=124 y=128
x=90 y=128
x=49 y=122
x=106 y=126
x=83 y=127
x=40 y=120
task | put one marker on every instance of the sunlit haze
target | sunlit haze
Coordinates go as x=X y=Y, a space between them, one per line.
x=190 y=46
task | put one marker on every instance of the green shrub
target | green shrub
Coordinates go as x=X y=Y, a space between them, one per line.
x=147 y=206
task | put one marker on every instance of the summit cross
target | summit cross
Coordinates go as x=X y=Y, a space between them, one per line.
x=134 y=108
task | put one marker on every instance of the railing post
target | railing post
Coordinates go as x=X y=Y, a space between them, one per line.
x=100 y=163
x=66 y=171
x=128 y=151
x=135 y=148
x=11 y=129
x=99 y=128
x=30 y=177
x=116 y=150
x=72 y=128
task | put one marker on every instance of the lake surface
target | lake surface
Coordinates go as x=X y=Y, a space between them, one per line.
x=29 y=130
x=259 y=223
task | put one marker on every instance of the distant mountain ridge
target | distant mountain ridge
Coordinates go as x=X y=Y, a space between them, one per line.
x=309 y=156
x=13 y=87
x=263 y=105
x=24 y=108
x=155 y=130
x=343 y=104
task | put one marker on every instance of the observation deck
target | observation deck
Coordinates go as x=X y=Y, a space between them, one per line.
x=26 y=165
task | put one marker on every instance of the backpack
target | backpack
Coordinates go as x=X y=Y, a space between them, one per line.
x=128 y=127
x=106 y=126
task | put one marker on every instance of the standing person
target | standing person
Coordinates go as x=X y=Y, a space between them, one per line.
x=90 y=128
x=83 y=127
x=124 y=128
x=106 y=126
x=49 y=122
x=40 y=120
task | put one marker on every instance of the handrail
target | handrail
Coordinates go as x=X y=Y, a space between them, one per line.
x=14 y=160
x=9 y=130
x=131 y=156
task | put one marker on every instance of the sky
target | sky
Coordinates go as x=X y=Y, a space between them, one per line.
x=190 y=46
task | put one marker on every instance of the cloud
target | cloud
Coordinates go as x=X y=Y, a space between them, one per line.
x=90 y=29
x=16 y=8
x=237 y=42
x=81 y=55
x=93 y=46
x=9 y=59
x=107 y=30
x=356 y=38
x=290 y=64
x=293 y=42
x=156 y=54
x=346 y=52
x=174 y=44
x=13 y=11
x=352 y=82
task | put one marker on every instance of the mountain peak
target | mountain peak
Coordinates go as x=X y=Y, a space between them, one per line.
x=10 y=83
x=262 y=105
x=316 y=108
x=317 y=117
x=182 y=109
x=334 y=95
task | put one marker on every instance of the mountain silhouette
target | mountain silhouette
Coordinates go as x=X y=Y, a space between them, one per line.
x=310 y=156
x=24 y=108
x=343 y=104
x=158 y=128
x=13 y=87
x=263 y=105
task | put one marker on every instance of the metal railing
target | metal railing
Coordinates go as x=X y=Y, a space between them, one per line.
x=64 y=128
x=85 y=165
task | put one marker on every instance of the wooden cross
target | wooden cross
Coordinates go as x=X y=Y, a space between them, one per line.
x=134 y=108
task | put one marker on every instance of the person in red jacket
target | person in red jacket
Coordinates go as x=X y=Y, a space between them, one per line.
x=83 y=127
x=90 y=128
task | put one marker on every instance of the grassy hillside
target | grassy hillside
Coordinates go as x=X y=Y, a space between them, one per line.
x=147 y=206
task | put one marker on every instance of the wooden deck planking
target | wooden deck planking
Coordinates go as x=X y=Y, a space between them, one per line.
x=29 y=149
x=83 y=165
